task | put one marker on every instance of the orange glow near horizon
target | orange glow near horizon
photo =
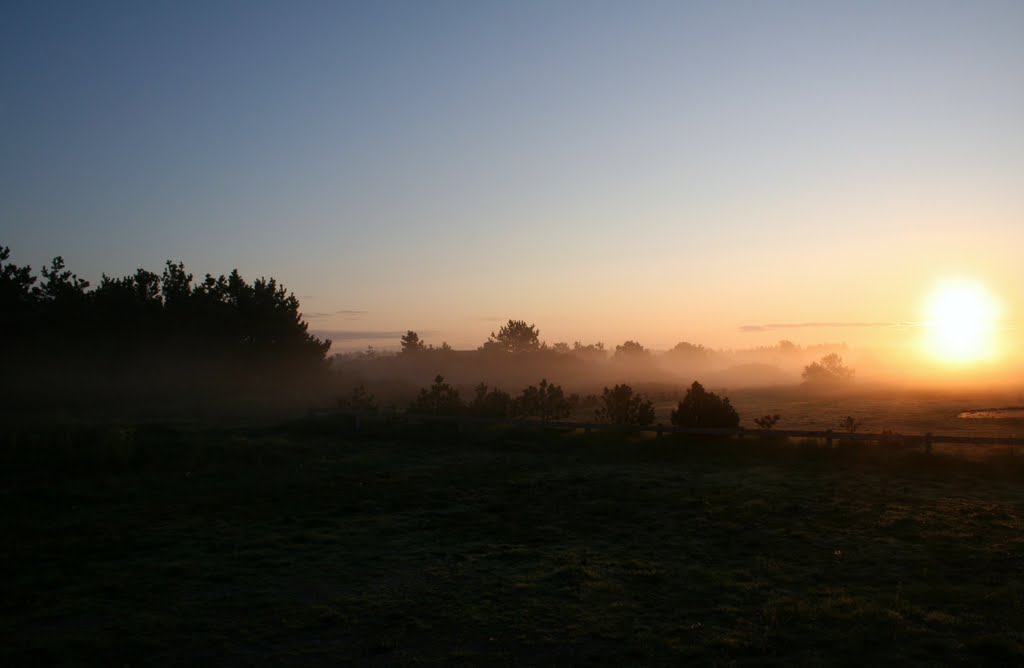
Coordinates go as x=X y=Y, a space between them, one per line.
x=961 y=323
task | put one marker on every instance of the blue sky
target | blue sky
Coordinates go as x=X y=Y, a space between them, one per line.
x=658 y=170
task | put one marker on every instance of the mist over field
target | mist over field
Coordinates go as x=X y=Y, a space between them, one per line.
x=583 y=365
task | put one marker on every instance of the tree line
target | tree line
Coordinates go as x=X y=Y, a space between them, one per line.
x=147 y=312
x=548 y=401
x=59 y=328
x=518 y=337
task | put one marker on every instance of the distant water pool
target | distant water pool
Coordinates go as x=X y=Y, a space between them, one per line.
x=994 y=413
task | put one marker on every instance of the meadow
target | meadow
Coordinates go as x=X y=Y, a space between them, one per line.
x=305 y=543
x=874 y=407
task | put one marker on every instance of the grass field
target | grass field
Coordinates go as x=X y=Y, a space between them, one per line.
x=910 y=411
x=304 y=545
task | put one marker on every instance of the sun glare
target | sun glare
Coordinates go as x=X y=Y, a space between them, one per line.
x=960 y=322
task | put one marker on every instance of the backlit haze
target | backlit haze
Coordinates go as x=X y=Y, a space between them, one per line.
x=729 y=174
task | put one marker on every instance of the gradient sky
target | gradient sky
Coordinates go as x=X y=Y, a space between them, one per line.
x=658 y=171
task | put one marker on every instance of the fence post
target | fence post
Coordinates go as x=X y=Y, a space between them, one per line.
x=659 y=431
x=828 y=438
x=928 y=442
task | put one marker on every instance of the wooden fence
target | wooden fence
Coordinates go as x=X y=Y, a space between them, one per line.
x=830 y=436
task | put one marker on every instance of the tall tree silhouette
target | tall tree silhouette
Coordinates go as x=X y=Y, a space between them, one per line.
x=412 y=344
x=514 y=337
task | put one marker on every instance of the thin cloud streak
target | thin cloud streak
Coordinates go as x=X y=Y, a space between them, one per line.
x=819 y=325
x=362 y=335
x=356 y=335
x=348 y=314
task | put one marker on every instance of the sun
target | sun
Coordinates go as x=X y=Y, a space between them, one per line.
x=960 y=322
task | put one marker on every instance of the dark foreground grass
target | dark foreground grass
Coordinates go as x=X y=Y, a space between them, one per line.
x=240 y=547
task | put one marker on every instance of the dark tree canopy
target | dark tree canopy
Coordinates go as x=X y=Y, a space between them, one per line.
x=438 y=399
x=620 y=405
x=412 y=344
x=359 y=400
x=700 y=408
x=514 y=337
x=830 y=370
x=546 y=401
x=631 y=350
x=589 y=351
x=787 y=347
x=689 y=352
x=492 y=403
x=136 y=324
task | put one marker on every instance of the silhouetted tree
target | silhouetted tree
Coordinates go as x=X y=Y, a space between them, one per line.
x=767 y=422
x=439 y=399
x=490 y=403
x=620 y=406
x=830 y=370
x=359 y=400
x=631 y=350
x=787 y=347
x=689 y=353
x=590 y=351
x=849 y=423
x=546 y=401
x=411 y=343
x=128 y=314
x=176 y=286
x=18 y=301
x=515 y=337
x=60 y=285
x=700 y=408
x=141 y=322
x=16 y=283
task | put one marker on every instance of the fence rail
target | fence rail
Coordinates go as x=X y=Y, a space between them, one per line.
x=828 y=435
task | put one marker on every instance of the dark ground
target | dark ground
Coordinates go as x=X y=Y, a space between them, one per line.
x=301 y=545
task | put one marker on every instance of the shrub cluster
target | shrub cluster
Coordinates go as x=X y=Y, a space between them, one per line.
x=700 y=408
x=619 y=405
x=546 y=401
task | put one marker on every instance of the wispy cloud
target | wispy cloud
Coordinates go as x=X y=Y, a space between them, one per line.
x=347 y=314
x=357 y=335
x=362 y=334
x=819 y=325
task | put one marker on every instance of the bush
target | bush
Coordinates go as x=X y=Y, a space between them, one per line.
x=849 y=423
x=700 y=408
x=439 y=399
x=412 y=343
x=490 y=403
x=830 y=370
x=620 y=406
x=546 y=401
x=360 y=400
x=631 y=350
x=515 y=337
